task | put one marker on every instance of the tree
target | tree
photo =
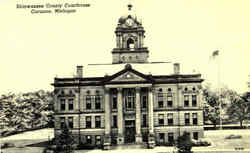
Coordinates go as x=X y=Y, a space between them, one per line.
x=65 y=141
x=184 y=143
x=216 y=102
x=240 y=108
x=211 y=106
x=23 y=111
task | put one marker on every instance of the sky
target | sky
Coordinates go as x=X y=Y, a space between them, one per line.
x=35 y=48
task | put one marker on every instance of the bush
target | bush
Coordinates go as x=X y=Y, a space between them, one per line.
x=83 y=146
x=184 y=143
x=65 y=142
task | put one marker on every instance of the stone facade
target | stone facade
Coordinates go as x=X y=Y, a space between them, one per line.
x=129 y=106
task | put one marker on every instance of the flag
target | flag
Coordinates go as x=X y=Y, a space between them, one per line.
x=215 y=53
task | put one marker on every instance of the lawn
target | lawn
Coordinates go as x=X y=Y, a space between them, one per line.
x=217 y=137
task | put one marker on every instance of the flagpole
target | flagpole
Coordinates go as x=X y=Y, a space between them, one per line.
x=219 y=86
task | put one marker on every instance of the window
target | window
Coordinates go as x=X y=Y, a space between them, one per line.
x=114 y=121
x=130 y=99
x=97 y=121
x=160 y=100
x=160 y=103
x=186 y=89
x=161 y=119
x=171 y=138
x=194 y=115
x=71 y=104
x=161 y=137
x=62 y=122
x=194 y=100
x=62 y=101
x=144 y=101
x=169 y=89
x=97 y=102
x=88 y=121
x=186 y=100
x=70 y=122
x=71 y=93
x=97 y=92
x=130 y=43
x=170 y=101
x=88 y=139
x=170 y=119
x=88 y=92
x=114 y=104
x=187 y=122
x=62 y=92
x=144 y=120
x=98 y=140
x=88 y=102
x=194 y=89
x=196 y=135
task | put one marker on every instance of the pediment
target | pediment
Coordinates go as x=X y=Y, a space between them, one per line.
x=128 y=76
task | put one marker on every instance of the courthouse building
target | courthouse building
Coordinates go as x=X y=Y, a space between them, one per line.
x=130 y=100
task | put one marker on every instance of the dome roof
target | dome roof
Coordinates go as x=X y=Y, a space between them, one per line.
x=129 y=14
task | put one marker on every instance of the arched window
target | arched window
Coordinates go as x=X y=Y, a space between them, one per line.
x=130 y=43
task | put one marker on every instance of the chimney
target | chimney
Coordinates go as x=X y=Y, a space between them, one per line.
x=79 y=71
x=176 y=68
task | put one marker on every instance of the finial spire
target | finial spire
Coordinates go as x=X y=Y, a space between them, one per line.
x=130 y=6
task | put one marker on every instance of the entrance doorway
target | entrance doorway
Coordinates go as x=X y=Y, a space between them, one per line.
x=129 y=131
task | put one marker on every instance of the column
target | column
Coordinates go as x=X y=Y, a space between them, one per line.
x=120 y=41
x=151 y=138
x=117 y=41
x=180 y=104
x=120 y=137
x=107 y=137
x=138 y=138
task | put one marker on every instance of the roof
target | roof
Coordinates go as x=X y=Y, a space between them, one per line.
x=153 y=68
x=99 y=74
x=100 y=70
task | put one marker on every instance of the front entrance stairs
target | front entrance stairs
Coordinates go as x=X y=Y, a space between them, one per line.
x=129 y=146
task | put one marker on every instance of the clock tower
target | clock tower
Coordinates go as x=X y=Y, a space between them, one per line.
x=129 y=40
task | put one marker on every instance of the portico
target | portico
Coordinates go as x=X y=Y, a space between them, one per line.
x=129 y=111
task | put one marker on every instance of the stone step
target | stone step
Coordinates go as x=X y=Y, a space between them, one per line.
x=130 y=146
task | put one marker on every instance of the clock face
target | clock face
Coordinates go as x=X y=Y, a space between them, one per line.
x=129 y=22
